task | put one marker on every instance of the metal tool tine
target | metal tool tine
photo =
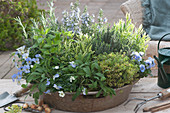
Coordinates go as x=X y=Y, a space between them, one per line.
x=133 y=99
x=144 y=102
x=138 y=106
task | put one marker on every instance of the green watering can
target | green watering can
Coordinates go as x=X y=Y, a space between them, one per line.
x=163 y=65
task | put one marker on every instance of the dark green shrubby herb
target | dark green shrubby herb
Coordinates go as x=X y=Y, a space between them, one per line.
x=11 y=33
x=123 y=36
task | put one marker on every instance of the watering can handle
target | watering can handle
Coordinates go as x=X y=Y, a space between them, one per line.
x=162 y=38
x=160 y=66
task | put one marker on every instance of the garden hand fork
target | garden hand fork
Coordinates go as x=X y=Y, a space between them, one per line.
x=162 y=95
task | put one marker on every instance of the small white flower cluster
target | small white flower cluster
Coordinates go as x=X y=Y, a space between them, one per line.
x=61 y=93
x=72 y=78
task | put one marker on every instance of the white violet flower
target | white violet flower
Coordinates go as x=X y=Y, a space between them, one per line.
x=84 y=91
x=21 y=49
x=32 y=66
x=61 y=93
x=141 y=53
x=72 y=78
x=56 y=67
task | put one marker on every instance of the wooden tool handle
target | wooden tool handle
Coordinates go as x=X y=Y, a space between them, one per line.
x=146 y=109
x=23 y=90
x=165 y=93
x=160 y=108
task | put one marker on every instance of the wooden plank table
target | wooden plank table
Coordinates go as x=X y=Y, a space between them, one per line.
x=145 y=88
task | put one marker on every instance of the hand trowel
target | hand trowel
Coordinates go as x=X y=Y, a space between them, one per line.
x=6 y=98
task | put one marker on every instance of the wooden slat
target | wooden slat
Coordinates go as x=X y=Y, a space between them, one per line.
x=4 y=57
x=11 y=72
x=6 y=68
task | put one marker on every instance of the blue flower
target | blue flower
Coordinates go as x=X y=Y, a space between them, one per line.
x=48 y=91
x=17 y=76
x=16 y=53
x=68 y=37
x=19 y=79
x=25 y=56
x=26 y=68
x=57 y=87
x=23 y=62
x=48 y=82
x=13 y=77
x=148 y=64
x=16 y=64
x=152 y=61
x=20 y=68
x=19 y=73
x=136 y=56
x=29 y=60
x=105 y=20
x=142 y=68
x=55 y=76
x=36 y=60
x=72 y=64
x=38 y=56
x=92 y=20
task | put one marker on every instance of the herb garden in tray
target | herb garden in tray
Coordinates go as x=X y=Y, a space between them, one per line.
x=76 y=62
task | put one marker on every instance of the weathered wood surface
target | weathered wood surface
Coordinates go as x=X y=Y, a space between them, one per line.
x=145 y=88
x=5 y=64
x=12 y=71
